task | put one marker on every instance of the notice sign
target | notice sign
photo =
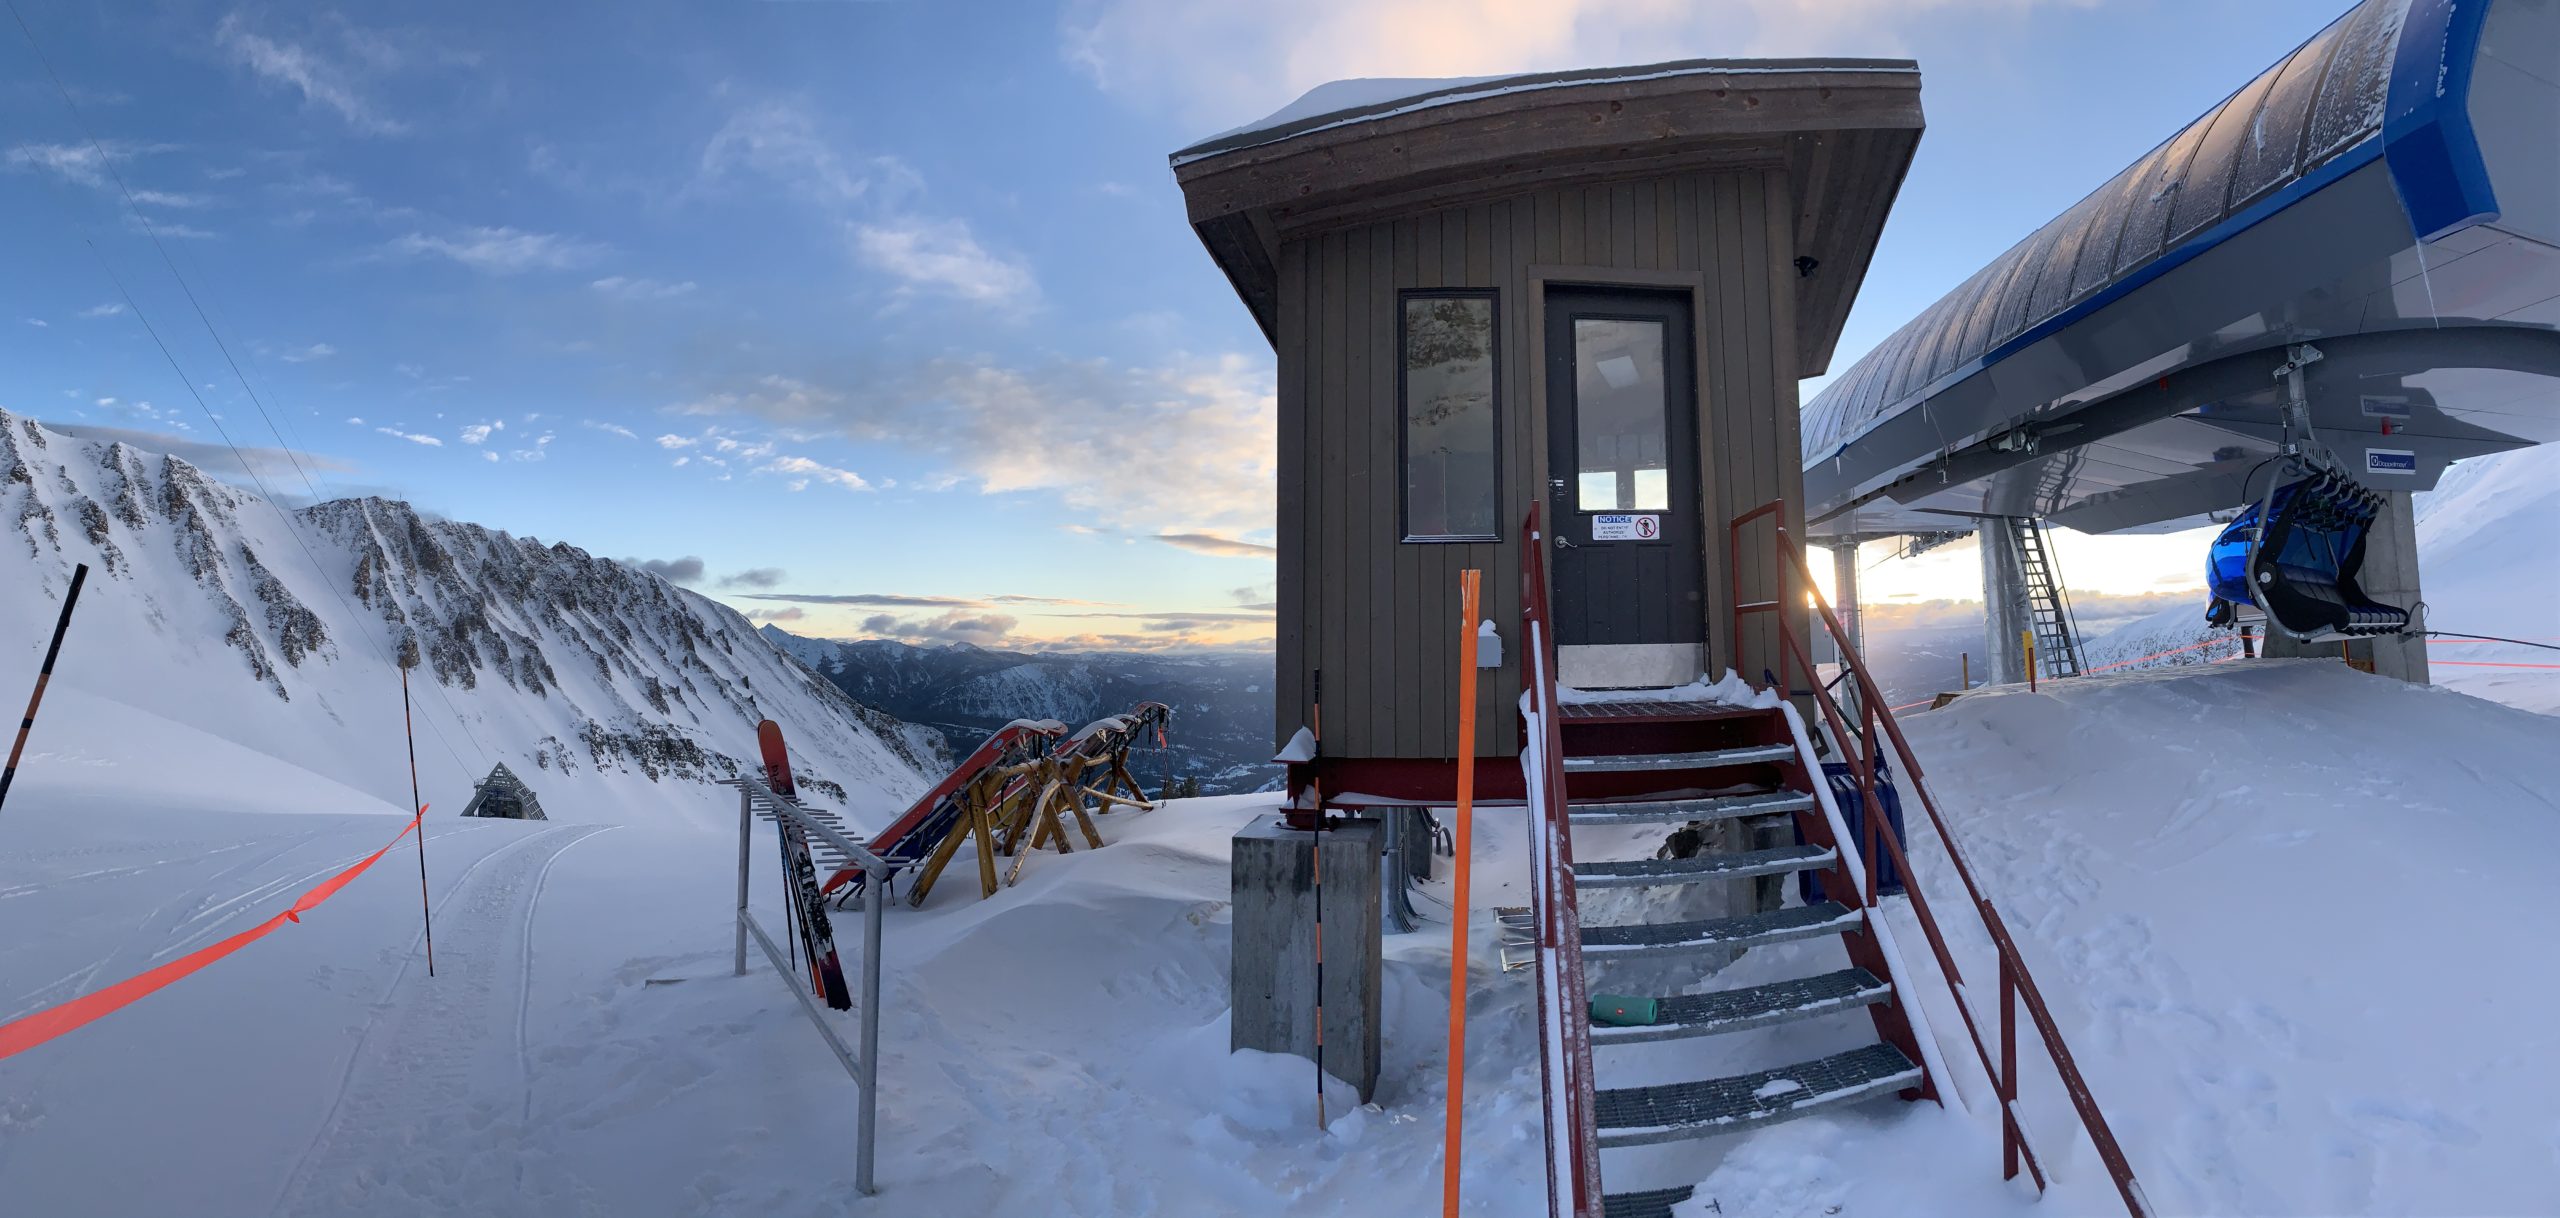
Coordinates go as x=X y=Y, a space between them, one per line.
x=2390 y=461
x=1624 y=527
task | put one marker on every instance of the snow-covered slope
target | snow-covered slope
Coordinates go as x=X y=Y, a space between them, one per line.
x=2289 y=917
x=613 y=692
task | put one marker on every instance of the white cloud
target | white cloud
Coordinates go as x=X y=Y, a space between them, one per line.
x=673 y=442
x=779 y=140
x=38 y=322
x=170 y=229
x=355 y=421
x=412 y=371
x=641 y=289
x=486 y=455
x=320 y=82
x=87 y=164
x=943 y=256
x=611 y=429
x=109 y=309
x=1070 y=428
x=1219 y=65
x=478 y=433
x=304 y=355
x=501 y=251
x=802 y=470
x=412 y=437
x=164 y=198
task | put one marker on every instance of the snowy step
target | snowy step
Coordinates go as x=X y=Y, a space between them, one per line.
x=1634 y=1116
x=1614 y=763
x=1633 y=873
x=1749 y=930
x=1755 y=1007
x=1666 y=811
x=1651 y=1203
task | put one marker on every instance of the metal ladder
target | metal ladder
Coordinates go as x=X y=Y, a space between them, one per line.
x=2048 y=607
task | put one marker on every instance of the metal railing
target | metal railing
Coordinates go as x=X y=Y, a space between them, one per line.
x=1564 y=1040
x=1862 y=751
x=862 y=1066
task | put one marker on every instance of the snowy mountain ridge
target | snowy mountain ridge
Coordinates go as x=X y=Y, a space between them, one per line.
x=207 y=608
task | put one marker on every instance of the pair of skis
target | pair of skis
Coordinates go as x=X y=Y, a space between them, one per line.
x=800 y=878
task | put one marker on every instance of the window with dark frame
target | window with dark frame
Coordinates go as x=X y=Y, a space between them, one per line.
x=1448 y=381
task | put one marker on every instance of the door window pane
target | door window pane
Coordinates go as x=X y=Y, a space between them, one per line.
x=1449 y=475
x=1621 y=418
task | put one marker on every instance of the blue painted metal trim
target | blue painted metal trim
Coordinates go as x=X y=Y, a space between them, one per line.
x=2328 y=173
x=2426 y=129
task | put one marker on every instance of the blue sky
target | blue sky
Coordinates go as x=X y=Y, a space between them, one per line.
x=888 y=308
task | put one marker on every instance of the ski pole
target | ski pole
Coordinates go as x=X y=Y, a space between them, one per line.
x=44 y=675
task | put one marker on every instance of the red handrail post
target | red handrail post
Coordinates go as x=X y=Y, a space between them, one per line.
x=2010 y=1135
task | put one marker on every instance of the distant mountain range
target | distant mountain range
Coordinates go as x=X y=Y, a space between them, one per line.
x=1221 y=700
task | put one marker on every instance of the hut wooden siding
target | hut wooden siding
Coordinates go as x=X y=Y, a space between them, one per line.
x=1378 y=616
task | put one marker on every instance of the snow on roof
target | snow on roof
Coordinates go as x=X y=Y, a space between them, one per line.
x=1364 y=99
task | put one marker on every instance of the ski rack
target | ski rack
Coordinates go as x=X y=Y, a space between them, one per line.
x=862 y=1066
x=1010 y=795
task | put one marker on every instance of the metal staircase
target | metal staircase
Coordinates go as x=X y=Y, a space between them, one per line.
x=1674 y=764
x=1634 y=762
x=1761 y=771
x=2048 y=606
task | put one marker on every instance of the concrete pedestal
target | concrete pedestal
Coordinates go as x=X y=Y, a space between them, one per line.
x=1274 y=944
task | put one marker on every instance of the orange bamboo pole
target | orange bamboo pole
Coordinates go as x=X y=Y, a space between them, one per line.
x=1470 y=584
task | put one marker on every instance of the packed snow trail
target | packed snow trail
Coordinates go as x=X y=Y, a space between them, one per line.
x=217 y=1073
x=423 y=1122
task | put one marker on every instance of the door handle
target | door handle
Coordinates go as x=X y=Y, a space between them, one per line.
x=1563 y=544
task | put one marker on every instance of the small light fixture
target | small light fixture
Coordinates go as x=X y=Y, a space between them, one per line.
x=1806 y=264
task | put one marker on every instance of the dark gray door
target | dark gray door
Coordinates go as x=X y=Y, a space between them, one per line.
x=1623 y=468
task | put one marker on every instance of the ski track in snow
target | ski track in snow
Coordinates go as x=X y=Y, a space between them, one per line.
x=416 y=1126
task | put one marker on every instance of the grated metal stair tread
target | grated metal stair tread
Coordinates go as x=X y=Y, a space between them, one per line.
x=1714 y=807
x=1631 y=873
x=1754 y=1007
x=1651 y=1203
x=1635 y=1116
x=1753 y=754
x=1661 y=938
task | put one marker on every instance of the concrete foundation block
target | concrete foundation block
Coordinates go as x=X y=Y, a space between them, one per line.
x=1274 y=944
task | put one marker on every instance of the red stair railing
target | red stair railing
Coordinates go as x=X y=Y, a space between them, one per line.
x=1564 y=1035
x=1861 y=751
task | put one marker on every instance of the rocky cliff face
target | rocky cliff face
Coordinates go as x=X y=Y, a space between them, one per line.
x=279 y=628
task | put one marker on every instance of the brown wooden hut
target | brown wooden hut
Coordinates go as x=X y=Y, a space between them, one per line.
x=1596 y=287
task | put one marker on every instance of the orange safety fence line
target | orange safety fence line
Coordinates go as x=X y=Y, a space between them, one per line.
x=27 y=1031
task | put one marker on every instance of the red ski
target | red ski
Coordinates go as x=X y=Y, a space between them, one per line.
x=800 y=877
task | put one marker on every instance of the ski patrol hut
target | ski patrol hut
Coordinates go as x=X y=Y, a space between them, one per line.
x=504 y=795
x=1592 y=289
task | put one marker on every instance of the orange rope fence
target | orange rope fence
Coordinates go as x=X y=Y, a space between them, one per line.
x=28 y=1031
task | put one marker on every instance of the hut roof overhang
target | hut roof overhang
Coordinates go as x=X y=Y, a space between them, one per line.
x=1843 y=131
